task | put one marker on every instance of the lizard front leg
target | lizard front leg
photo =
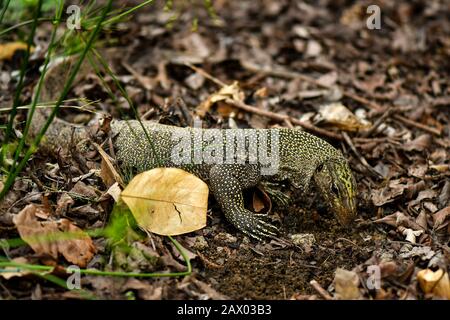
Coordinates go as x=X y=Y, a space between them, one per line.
x=227 y=183
x=277 y=196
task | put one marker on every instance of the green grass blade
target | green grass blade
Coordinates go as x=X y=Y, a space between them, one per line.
x=51 y=47
x=2 y=13
x=20 y=84
x=11 y=177
x=130 y=103
x=124 y=14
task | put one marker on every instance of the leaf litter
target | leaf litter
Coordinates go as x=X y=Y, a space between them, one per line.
x=304 y=56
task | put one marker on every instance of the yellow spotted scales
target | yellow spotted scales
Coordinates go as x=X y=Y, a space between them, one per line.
x=302 y=158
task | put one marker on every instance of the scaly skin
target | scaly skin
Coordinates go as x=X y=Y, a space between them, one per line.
x=302 y=157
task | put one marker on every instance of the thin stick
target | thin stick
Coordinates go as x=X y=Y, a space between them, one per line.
x=321 y=291
x=279 y=117
x=283 y=118
x=206 y=74
x=360 y=157
x=377 y=123
x=280 y=72
x=418 y=125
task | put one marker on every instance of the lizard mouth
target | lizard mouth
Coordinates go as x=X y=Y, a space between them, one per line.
x=345 y=212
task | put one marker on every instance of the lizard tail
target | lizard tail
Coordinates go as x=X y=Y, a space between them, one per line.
x=60 y=134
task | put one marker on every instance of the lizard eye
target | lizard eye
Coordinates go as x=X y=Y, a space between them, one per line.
x=334 y=189
x=320 y=167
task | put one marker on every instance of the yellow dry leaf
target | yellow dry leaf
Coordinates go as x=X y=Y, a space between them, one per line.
x=11 y=272
x=346 y=284
x=435 y=282
x=54 y=237
x=231 y=91
x=7 y=50
x=338 y=115
x=167 y=201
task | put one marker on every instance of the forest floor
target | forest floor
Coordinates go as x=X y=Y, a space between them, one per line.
x=310 y=61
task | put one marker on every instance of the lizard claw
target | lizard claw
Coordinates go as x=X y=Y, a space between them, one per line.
x=255 y=225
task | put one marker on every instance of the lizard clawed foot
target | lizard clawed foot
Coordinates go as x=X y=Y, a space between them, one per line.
x=254 y=225
x=277 y=196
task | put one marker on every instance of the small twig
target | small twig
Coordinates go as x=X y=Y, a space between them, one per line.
x=205 y=74
x=376 y=140
x=143 y=80
x=279 y=117
x=283 y=118
x=418 y=125
x=360 y=157
x=377 y=123
x=344 y=239
x=321 y=291
x=372 y=105
x=288 y=123
x=280 y=72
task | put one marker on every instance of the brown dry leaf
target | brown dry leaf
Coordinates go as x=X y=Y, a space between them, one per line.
x=262 y=92
x=407 y=221
x=420 y=143
x=167 y=201
x=231 y=91
x=353 y=16
x=82 y=189
x=399 y=219
x=440 y=217
x=224 y=109
x=108 y=172
x=418 y=170
x=388 y=193
x=346 y=284
x=145 y=290
x=261 y=201
x=57 y=73
x=210 y=292
x=63 y=205
x=371 y=83
x=329 y=79
x=45 y=237
x=424 y=194
x=7 y=50
x=436 y=283
x=338 y=115
x=196 y=46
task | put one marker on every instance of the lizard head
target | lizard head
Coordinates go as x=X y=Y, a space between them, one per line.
x=338 y=186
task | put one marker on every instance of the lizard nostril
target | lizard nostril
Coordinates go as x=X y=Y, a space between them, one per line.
x=334 y=189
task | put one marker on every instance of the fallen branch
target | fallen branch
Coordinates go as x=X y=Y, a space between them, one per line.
x=321 y=291
x=281 y=73
x=284 y=118
x=206 y=74
x=418 y=125
x=360 y=157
